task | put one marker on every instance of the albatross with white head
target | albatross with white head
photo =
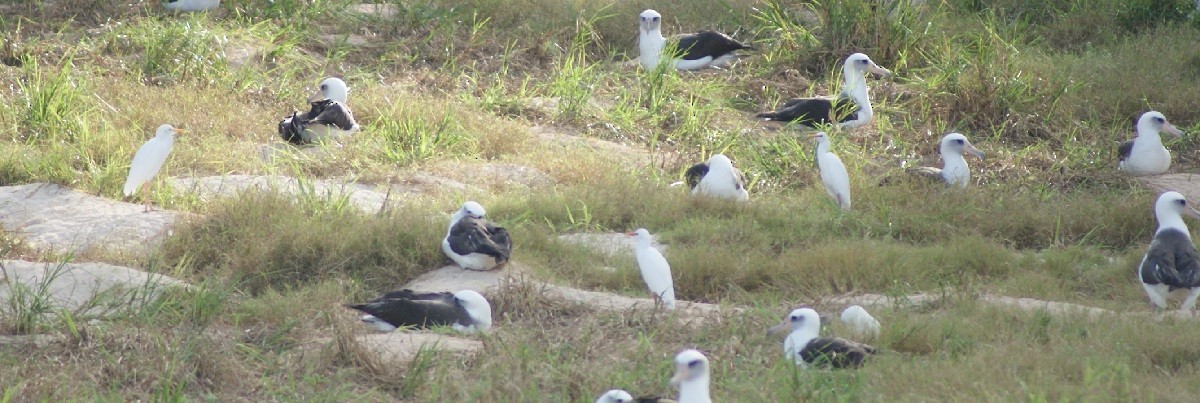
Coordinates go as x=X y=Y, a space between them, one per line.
x=696 y=51
x=1145 y=154
x=1172 y=263
x=852 y=105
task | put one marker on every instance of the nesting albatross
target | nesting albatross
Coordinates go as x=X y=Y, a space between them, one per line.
x=696 y=51
x=954 y=170
x=833 y=172
x=717 y=178
x=806 y=348
x=1145 y=154
x=474 y=242
x=656 y=272
x=1172 y=263
x=692 y=377
x=850 y=109
x=465 y=311
x=328 y=118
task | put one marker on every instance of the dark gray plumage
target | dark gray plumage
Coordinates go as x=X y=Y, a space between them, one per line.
x=1172 y=261
x=408 y=308
x=836 y=353
x=814 y=111
x=325 y=112
x=707 y=44
x=693 y=175
x=478 y=235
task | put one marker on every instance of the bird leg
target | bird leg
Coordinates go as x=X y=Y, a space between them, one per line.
x=146 y=196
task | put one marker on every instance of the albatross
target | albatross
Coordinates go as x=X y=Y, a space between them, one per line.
x=954 y=170
x=691 y=377
x=806 y=348
x=854 y=100
x=656 y=272
x=696 y=51
x=860 y=322
x=148 y=160
x=1145 y=154
x=717 y=178
x=327 y=118
x=191 y=5
x=1172 y=263
x=465 y=311
x=475 y=243
x=620 y=396
x=833 y=172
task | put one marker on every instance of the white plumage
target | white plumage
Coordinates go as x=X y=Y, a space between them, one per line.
x=860 y=322
x=149 y=160
x=1172 y=265
x=954 y=171
x=1146 y=155
x=833 y=172
x=191 y=5
x=722 y=180
x=692 y=377
x=615 y=396
x=656 y=272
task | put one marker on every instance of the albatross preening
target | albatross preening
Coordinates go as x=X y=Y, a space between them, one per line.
x=691 y=377
x=656 y=272
x=717 y=178
x=696 y=51
x=474 y=242
x=954 y=170
x=806 y=348
x=191 y=5
x=1145 y=154
x=860 y=322
x=465 y=311
x=833 y=172
x=620 y=396
x=850 y=109
x=328 y=118
x=149 y=160
x=1172 y=262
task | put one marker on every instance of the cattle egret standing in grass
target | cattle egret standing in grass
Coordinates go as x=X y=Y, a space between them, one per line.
x=954 y=170
x=697 y=51
x=191 y=5
x=833 y=172
x=1145 y=155
x=691 y=377
x=149 y=160
x=474 y=242
x=804 y=346
x=717 y=178
x=1172 y=263
x=860 y=322
x=655 y=270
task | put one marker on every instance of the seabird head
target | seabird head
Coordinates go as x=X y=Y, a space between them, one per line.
x=1153 y=122
x=640 y=234
x=1171 y=206
x=799 y=319
x=720 y=162
x=167 y=131
x=615 y=396
x=691 y=368
x=331 y=88
x=477 y=307
x=473 y=210
x=650 y=21
x=858 y=64
x=957 y=144
x=820 y=137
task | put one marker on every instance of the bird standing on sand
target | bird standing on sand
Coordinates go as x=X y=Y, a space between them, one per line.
x=149 y=160
x=696 y=51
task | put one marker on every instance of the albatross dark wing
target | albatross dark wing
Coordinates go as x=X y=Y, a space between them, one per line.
x=694 y=174
x=836 y=353
x=1124 y=150
x=332 y=113
x=707 y=44
x=1172 y=260
x=472 y=235
x=813 y=111
x=290 y=128
x=406 y=308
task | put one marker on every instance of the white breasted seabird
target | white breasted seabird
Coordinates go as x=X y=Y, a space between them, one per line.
x=475 y=243
x=465 y=311
x=1171 y=264
x=850 y=109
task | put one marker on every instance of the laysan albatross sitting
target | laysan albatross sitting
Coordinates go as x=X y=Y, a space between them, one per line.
x=465 y=311
x=692 y=377
x=1145 y=154
x=475 y=243
x=656 y=272
x=695 y=51
x=806 y=348
x=717 y=178
x=1171 y=264
x=328 y=118
x=833 y=172
x=850 y=109
x=954 y=170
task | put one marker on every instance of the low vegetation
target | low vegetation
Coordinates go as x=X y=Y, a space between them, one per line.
x=1046 y=88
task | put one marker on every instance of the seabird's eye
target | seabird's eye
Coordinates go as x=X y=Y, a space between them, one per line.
x=1160 y=120
x=694 y=364
x=322 y=86
x=958 y=141
x=655 y=18
x=864 y=61
x=1181 y=202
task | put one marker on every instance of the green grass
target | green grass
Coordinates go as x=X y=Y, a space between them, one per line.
x=443 y=87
